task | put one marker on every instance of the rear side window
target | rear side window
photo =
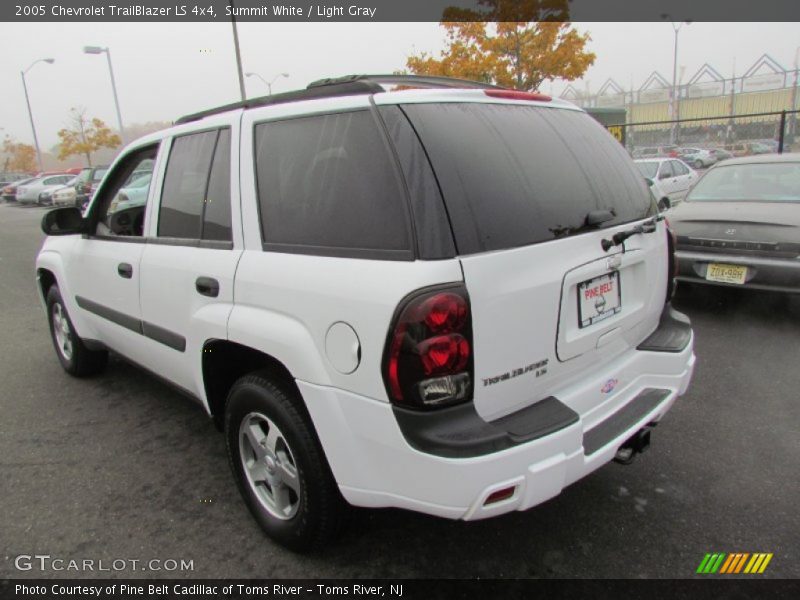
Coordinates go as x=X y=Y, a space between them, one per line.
x=195 y=199
x=518 y=175
x=327 y=185
x=679 y=168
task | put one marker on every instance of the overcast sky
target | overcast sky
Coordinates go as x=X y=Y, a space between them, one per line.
x=166 y=70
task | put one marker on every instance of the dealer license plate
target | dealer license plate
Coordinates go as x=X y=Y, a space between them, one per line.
x=726 y=273
x=598 y=299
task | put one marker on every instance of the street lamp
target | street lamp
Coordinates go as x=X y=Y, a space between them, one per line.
x=270 y=82
x=676 y=27
x=49 y=61
x=99 y=50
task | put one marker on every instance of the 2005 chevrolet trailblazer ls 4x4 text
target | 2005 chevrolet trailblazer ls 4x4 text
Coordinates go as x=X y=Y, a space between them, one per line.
x=452 y=299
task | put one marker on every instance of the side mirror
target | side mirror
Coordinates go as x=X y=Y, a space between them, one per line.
x=649 y=181
x=63 y=221
x=664 y=204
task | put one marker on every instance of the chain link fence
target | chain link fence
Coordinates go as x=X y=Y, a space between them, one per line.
x=739 y=135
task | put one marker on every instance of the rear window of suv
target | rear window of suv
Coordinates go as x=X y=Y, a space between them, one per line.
x=518 y=175
x=327 y=185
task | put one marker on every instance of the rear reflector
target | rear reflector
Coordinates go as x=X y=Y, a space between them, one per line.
x=517 y=95
x=500 y=495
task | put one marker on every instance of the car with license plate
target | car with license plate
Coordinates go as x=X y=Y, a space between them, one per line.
x=740 y=225
x=451 y=298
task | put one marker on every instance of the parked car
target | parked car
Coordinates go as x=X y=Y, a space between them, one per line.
x=38 y=191
x=133 y=194
x=699 y=158
x=10 y=191
x=656 y=151
x=88 y=180
x=672 y=177
x=10 y=178
x=64 y=196
x=768 y=145
x=721 y=154
x=740 y=225
x=748 y=148
x=454 y=301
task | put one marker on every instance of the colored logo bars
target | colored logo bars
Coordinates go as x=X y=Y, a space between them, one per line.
x=736 y=562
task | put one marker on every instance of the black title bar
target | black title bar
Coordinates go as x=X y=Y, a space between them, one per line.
x=397 y=10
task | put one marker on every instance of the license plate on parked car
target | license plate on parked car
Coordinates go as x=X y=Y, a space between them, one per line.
x=598 y=299
x=726 y=273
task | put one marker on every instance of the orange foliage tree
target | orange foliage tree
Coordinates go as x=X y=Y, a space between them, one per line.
x=85 y=136
x=18 y=156
x=515 y=51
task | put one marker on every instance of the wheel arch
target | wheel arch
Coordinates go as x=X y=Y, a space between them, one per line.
x=224 y=362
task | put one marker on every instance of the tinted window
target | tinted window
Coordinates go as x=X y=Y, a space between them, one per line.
x=328 y=182
x=217 y=212
x=185 y=185
x=665 y=170
x=518 y=175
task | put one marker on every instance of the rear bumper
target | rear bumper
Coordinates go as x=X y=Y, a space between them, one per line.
x=379 y=462
x=778 y=274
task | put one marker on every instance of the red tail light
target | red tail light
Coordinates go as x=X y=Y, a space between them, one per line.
x=428 y=358
x=517 y=95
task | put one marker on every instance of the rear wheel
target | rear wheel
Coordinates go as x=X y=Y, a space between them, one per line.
x=279 y=465
x=698 y=164
x=72 y=353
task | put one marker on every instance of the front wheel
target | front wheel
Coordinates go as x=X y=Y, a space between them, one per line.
x=698 y=164
x=279 y=465
x=72 y=353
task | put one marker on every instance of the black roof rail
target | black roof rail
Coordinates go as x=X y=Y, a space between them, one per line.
x=350 y=85
x=428 y=81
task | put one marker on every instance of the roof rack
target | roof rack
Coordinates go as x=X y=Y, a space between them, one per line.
x=350 y=85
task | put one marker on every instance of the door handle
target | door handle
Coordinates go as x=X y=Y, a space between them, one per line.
x=207 y=286
x=125 y=270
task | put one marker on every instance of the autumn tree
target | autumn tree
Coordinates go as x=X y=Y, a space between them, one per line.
x=515 y=51
x=18 y=156
x=85 y=136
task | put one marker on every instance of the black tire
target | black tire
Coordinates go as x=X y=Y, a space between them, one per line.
x=320 y=508
x=79 y=361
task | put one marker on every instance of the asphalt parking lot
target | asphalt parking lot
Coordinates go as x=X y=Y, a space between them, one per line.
x=122 y=467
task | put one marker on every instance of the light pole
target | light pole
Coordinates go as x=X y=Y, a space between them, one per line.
x=99 y=50
x=794 y=92
x=270 y=82
x=676 y=27
x=49 y=61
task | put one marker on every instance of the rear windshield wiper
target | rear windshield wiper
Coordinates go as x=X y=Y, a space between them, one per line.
x=619 y=238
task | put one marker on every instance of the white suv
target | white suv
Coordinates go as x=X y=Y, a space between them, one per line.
x=452 y=299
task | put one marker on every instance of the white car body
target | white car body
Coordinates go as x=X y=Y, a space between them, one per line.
x=672 y=179
x=30 y=192
x=292 y=307
x=699 y=158
x=63 y=196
